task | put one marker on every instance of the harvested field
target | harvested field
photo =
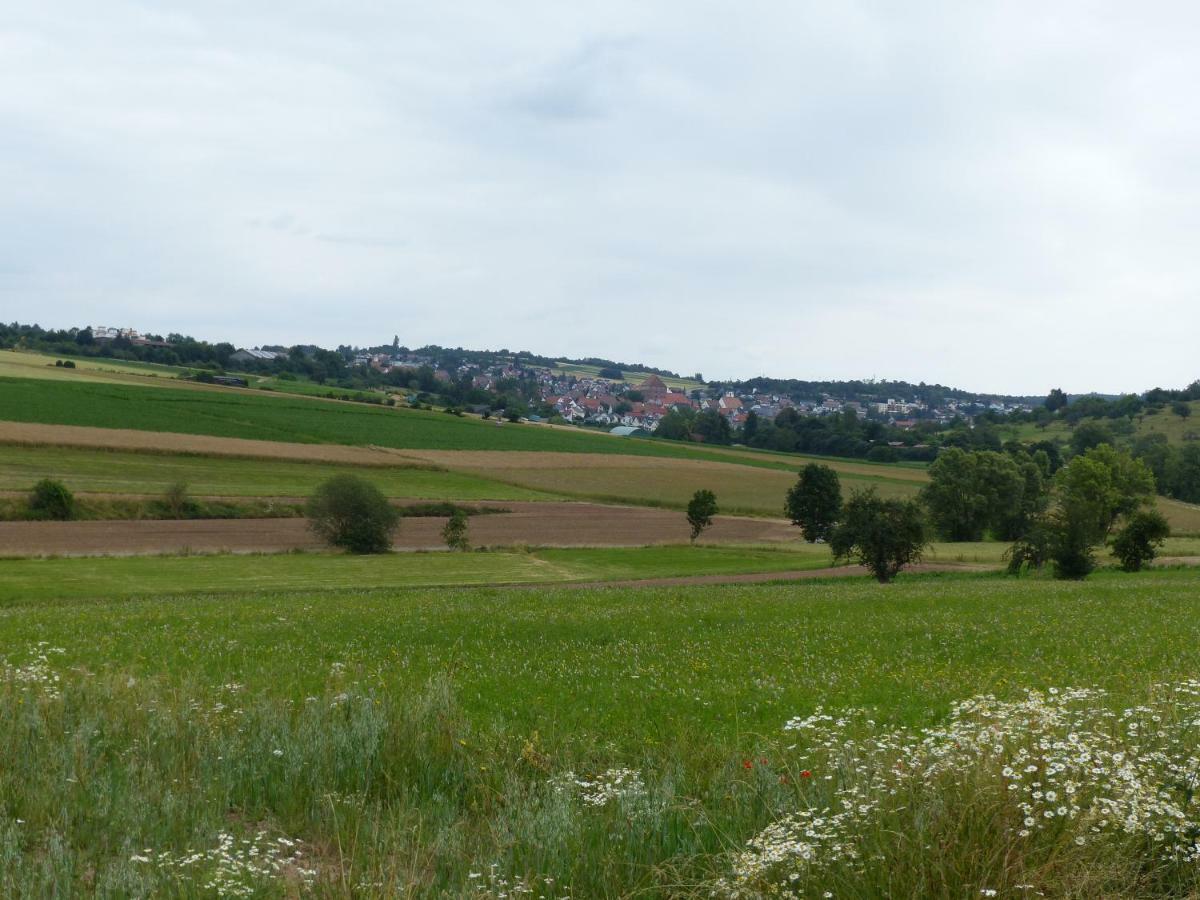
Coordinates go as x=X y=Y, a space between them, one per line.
x=204 y=445
x=533 y=524
x=641 y=479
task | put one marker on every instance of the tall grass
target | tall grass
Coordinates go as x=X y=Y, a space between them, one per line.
x=125 y=786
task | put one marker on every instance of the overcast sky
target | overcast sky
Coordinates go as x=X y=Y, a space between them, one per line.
x=1000 y=196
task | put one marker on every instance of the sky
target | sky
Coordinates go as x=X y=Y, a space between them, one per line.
x=1001 y=196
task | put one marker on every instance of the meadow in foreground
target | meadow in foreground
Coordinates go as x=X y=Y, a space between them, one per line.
x=737 y=740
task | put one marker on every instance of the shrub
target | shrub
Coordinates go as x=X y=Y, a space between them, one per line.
x=700 y=511
x=455 y=532
x=52 y=500
x=350 y=512
x=1138 y=541
x=177 y=502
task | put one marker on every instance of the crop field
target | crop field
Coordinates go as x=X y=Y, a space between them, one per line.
x=747 y=490
x=440 y=742
x=246 y=415
x=126 y=472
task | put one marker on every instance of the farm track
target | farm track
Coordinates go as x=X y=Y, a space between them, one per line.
x=765 y=577
x=540 y=524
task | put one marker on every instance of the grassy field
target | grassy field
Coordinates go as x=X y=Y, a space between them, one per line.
x=586 y=743
x=48 y=579
x=240 y=414
x=245 y=415
x=87 y=369
x=634 y=378
x=120 y=472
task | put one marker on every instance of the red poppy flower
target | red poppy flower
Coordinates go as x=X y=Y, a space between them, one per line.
x=747 y=764
x=806 y=774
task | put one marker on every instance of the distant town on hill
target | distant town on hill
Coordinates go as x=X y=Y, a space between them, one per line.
x=884 y=421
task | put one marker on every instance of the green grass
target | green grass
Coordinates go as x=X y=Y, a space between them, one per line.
x=245 y=415
x=241 y=415
x=407 y=739
x=107 y=578
x=632 y=378
x=729 y=659
x=132 y=472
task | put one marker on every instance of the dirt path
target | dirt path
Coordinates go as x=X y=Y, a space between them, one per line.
x=764 y=577
x=547 y=524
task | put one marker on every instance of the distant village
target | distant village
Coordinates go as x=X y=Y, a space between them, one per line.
x=633 y=404
x=638 y=403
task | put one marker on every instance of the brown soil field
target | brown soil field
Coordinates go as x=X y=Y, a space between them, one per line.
x=168 y=442
x=534 y=524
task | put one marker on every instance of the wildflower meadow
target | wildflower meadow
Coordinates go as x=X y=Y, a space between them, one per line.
x=941 y=737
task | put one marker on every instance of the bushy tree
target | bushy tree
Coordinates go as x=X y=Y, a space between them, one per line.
x=348 y=511
x=1091 y=493
x=1089 y=435
x=455 y=532
x=814 y=502
x=1139 y=539
x=883 y=535
x=51 y=499
x=713 y=427
x=700 y=511
x=1056 y=400
x=970 y=492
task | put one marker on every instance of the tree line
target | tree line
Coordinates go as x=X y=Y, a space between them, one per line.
x=1057 y=518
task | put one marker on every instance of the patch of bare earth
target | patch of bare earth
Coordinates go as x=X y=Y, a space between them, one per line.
x=532 y=524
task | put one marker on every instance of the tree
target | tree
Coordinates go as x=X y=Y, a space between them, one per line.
x=1056 y=400
x=750 y=427
x=455 y=532
x=1181 y=408
x=814 y=502
x=1092 y=493
x=674 y=426
x=51 y=500
x=970 y=492
x=348 y=511
x=1089 y=435
x=85 y=338
x=713 y=427
x=1138 y=541
x=700 y=511
x=883 y=535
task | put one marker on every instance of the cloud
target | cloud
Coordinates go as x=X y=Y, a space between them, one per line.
x=996 y=195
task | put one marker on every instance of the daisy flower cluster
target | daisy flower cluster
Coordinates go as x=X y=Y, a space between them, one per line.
x=234 y=868
x=610 y=786
x=37 y=673
x=1060 y=769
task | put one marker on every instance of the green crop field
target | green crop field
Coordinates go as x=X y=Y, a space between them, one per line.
x=583 y=743
x=121 y=472
x=244 y=414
